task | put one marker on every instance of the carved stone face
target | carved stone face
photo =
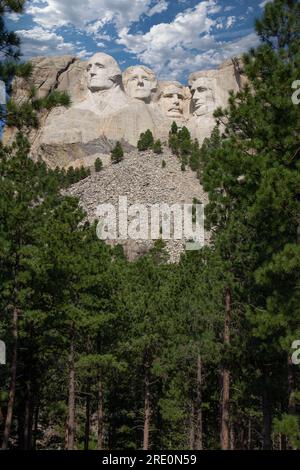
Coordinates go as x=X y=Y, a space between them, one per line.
x=139 y=82
x=102 y=72
x=203 y=96
x=172 y=101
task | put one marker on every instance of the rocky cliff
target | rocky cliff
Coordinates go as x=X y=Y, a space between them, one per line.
x=108 y=105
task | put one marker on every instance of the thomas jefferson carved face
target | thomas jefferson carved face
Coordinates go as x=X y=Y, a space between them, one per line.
x=140 y=82
x=103 y=72
x=171 y=100
x=203 y=96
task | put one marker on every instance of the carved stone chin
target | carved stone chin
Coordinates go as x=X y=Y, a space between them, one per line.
x=140 y=83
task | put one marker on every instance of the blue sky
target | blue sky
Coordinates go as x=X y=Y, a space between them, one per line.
x=174 y=38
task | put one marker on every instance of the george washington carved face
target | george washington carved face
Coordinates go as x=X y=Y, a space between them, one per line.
x=140 y=82
x=103 y=72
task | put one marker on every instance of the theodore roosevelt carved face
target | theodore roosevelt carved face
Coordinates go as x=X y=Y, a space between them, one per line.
x=171 y=98
x=103 y=72
x=140 y=82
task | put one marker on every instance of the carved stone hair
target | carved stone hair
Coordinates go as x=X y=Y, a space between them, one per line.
x=130 y=70
x=116 y=74
x=164 y=85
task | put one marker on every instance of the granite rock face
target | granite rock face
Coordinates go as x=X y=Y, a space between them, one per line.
x=108 y=105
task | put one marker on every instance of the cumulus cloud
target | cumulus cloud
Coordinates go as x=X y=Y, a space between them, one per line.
x=186 y=44
x=190 y=29
x=39 y=42
x=161 y=6
x=173 y=49
x=55 y=13
x=230 y=21
x=13 y=16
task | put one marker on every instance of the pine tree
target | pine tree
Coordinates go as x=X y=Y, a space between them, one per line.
x=146 y=141
x=9 y=41
x=98 y=165
x=174 y=144
x=157 y=147
x=251 y=179
x=117 y=153
x=174 y=128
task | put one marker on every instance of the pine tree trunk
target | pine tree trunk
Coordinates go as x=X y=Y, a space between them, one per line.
x=12 y=389
x=249 y=434
x=100 y=415
x=36 y=426
x=28 y=422
x=192 y=426
x=225 y=412
x=147 y=409
x=267 y=420
x=87 y=421
x=291 y=387
x=70 y=432
x=232 y=438
x=1 y=415
x=199 y=417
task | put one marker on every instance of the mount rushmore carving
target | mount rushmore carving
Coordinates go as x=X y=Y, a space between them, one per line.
x=110 y=105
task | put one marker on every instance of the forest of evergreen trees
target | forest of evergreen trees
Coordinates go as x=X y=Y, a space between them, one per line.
x=107 y=354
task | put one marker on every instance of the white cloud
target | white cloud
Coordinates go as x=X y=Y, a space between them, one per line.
x=172 y=49
x=84 y=54
x=263 y=3
x=13 y=16
x=55 y=13
x=230 y=21
x=161 y=6
x=186 y=44
x=190 y=29
x=229 y=8
x=39 y=42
